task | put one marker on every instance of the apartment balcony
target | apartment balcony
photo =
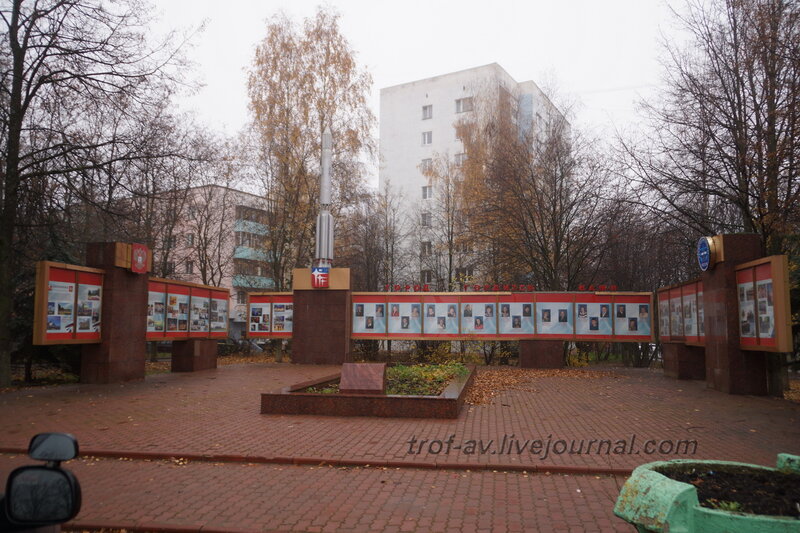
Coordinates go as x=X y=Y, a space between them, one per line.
x=246 y=252
x=248 y=226
x=253 y=282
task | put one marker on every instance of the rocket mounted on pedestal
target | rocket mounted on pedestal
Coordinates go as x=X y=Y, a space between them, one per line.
x=323 y=259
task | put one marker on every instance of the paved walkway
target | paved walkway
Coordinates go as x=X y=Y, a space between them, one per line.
x=215 y=415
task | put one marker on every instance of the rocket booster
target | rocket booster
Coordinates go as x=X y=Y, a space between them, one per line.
x=324 y=249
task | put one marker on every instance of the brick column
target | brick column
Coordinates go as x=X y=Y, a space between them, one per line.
x=121 y=354
x=322 y=319
x=194 y=354
x=684 y=362
x=729 y=368
x=541 y=354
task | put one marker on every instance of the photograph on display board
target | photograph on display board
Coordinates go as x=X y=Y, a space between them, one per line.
x=516 y=318
x=663 y=316
x=690 y=315
x=701 y=326
x=60 y=303
x=747 y=315
x=282 y=317
x=478 y=318
x=593 y=318
x=177 y=312
x=676 y=317
x=441 y=318
x=218 y=315
x=368 y=317
x=89 y=300
x=200 y=313
x=405 y=318
x=766 y=309
x=156 y=310
x=554 y=318
x=632 y=319
x=259 y=317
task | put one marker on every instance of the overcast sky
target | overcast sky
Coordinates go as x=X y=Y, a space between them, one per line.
x=602 y=54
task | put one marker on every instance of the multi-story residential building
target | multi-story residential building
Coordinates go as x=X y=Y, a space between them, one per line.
x=220 y=242
x=417 y=125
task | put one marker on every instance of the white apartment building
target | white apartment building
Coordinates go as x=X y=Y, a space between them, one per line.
x=417 y=123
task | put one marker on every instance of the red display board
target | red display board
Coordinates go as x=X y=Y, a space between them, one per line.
x=764 y=309
x=691 y=319
x=680 y=313
x=370 y=316
x=664 y=333
x=405 y=315
x=441 y=316
x=68 y=304
x=178 y=310
x=594 y=317
x=554 y=315
x=270 y=315
x=479 y=315
x=515 y=317
x=633 y=317
x=503 y=316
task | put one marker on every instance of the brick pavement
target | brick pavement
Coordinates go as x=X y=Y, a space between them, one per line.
x=216 y=414
x=163 y=495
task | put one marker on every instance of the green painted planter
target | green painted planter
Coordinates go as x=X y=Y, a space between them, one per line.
x=653 y=502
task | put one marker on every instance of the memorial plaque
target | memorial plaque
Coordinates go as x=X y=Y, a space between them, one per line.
x=363 y=378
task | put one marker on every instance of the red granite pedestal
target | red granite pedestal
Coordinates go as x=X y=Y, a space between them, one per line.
x=684 y=362
x=322 y=321
x=120 y=356
x=363 y=378
x=729 y=368
x=194 y=354
x=541 y=354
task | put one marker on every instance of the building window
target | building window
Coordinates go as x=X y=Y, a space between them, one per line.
x=251 y=240
x=427 y=112
x=460 y=158
x=426 y=248
x=426 y=276
x=426 y=220
x=190 y=267
x=464 y=273
x=241 y=297
x=169 y=242
x=252 y=214
x=190 y=239
x=169 y=268
x=463 y=105
x=427 y=137
x=426 y=165
x=427 y=192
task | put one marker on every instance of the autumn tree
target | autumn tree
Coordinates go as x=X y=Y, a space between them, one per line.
x=76 y=75
x=722 y=151
x=304 y=79
x=445 y=251
x=370 y=236
x=535 y=195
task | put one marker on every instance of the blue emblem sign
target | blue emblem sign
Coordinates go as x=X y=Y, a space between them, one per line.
x=703 y=253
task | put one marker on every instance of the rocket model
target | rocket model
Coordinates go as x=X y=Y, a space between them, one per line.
x=323 y=258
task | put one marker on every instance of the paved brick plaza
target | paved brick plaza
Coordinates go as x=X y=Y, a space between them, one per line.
x=248 y=481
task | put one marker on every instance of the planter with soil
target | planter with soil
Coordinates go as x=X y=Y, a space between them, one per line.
x=418 y=396
x=713 y=496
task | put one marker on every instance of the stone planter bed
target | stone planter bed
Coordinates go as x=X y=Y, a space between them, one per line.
x=652 y=500
x=294 y=401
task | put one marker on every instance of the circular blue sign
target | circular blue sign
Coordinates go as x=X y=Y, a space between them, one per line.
x=703 y=253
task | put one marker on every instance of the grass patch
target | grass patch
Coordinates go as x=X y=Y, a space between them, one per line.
x=413 y=380
x=422 y=380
